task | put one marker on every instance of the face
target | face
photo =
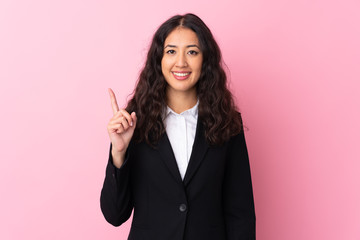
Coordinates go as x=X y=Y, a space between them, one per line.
x=182 y=61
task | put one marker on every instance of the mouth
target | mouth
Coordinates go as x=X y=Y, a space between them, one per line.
x=181 y=75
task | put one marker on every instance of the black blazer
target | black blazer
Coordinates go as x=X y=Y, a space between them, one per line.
x=213 y=202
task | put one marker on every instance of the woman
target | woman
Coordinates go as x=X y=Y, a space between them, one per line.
x=178 y=155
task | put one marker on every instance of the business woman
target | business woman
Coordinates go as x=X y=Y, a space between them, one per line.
x=178 y=156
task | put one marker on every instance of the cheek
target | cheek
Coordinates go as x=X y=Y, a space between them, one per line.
x=199 y=66
x=164 y=65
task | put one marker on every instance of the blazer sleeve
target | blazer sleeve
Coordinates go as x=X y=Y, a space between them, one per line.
x=115 y=200
x=238 y=193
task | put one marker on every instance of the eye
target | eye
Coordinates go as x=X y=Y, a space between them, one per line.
x=192 y=52
x=171 y=51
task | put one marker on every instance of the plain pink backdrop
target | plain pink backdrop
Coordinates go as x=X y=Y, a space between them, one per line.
x=294 y=68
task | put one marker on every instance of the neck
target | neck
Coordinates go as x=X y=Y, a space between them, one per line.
x=181 y=101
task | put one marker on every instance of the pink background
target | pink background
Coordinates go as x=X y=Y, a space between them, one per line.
x=295 y=72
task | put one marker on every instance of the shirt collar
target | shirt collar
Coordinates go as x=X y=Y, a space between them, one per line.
x=192 y=111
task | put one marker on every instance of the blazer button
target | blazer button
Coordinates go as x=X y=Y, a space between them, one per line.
x=182 y=207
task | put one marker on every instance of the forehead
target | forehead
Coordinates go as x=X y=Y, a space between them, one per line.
x=181 y=36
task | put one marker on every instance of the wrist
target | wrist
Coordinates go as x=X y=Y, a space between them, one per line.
x=118 y=158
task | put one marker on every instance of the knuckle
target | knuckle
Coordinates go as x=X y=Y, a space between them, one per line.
x=124 y=111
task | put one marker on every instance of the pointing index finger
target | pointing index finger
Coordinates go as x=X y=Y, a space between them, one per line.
x=114 y=104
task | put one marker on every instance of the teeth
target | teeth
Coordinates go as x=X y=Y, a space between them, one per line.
x=181 y=74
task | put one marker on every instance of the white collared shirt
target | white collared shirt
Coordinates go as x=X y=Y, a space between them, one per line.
x=181 y=129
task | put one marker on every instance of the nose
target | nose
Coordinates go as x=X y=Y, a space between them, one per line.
x=181 y=60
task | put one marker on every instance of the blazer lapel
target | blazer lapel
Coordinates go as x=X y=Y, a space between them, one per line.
x=197 y=154
x=167 y=155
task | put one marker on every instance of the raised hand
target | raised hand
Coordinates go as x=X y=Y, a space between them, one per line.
x=120 y=129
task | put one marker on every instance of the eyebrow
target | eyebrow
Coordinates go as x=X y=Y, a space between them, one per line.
x=174 y=46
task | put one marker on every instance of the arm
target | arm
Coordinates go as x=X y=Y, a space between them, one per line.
x=237 y=192
x=115 y=200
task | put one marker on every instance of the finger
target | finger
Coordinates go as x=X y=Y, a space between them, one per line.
x=124 y=123
x=134 y=118
x=116 y=116
x=127 y=116
x=115 y=121
x=114 y=104
x=118 y=127
x=119 y=119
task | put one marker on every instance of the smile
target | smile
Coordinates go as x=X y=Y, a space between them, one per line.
x=181 y=75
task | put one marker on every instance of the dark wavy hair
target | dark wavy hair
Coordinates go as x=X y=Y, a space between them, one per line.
x=217 y=110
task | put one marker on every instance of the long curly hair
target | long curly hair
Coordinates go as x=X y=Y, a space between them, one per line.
x=216 y=109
